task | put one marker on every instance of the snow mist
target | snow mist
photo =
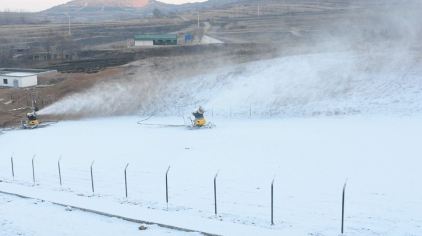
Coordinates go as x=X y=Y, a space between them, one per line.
x=363 y=63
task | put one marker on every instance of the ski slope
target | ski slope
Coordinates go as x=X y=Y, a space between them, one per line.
x=309 y=159
x=387 y=81
x=43 y=218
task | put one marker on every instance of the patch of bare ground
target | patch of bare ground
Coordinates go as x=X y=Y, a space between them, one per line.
x=166 y=63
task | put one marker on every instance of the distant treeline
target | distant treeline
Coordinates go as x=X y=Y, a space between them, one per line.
x=15 y=18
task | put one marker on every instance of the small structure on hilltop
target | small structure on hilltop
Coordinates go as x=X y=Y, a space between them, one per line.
x=155 y=39
x=181 y=38
x=20 y=78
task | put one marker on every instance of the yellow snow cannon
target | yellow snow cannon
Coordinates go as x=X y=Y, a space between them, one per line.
x=32 y=121
x=199 y=118
x=200 y=122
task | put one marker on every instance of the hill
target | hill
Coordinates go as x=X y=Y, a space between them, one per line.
x=109 y=3
x=109 y=10
x=104 y=10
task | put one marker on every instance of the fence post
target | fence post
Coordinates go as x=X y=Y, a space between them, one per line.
x=342 y=207
x=126 y=179
x=250 y=111
x=167 y=187
x=92 y=178
x=60 y=172
x=215 y=194
x=33 y=169
x=13 y=168
x=272 y=202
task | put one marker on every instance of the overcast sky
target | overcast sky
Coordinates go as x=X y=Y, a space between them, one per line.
x=38 y=5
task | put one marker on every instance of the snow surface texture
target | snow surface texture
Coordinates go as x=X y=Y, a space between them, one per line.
x=309 y=158
x=303 y=85
x=34 y=217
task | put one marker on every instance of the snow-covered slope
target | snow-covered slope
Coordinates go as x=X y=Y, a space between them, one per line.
x=366 y=63
x=309 y=158
x=35 y=217
x=302 y=85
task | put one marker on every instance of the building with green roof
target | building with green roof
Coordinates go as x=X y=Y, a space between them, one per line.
x=155 y=39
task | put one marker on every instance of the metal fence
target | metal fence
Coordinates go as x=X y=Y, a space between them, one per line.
x=216 y=191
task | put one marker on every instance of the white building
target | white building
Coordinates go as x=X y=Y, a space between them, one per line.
x=141 y=43
x=18 y=79
x=155 y=39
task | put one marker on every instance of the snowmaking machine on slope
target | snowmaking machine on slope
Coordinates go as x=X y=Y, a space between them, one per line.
x=199 y=121
x=31 y=121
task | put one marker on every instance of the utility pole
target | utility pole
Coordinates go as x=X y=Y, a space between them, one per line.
x=198 y=30
x=33 y=94
x=198 y=19
x=69 y=30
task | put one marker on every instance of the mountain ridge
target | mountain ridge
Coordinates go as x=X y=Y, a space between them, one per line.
x=109 y=3
x=106 y=10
